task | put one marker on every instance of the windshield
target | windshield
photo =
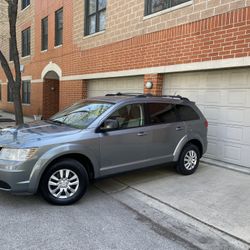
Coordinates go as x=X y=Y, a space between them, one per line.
x=82 y=114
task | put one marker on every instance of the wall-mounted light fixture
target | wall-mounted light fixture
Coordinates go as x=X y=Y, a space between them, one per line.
x=52 y=88
x=149 y=85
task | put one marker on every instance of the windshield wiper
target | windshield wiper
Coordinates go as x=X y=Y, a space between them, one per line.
x=55 y=121
x=82 y=111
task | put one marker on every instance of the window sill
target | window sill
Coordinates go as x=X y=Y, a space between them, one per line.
x=26 y=57
x=94 y=34
x=58 y=46
x=44 y=51
x=26 y=104
x=25 y=8
x=162 y=12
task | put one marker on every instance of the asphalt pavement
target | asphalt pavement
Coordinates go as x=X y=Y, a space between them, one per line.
x=96 y=222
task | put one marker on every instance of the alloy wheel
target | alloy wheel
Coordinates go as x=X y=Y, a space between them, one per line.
x=63 y=184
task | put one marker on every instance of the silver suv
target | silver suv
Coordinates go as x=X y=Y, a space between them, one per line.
x=98 y=137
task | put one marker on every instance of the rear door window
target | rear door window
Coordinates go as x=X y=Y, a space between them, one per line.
x=160 y=113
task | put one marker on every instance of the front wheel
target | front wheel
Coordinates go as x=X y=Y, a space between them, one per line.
x=189 y=160
x=64 y=183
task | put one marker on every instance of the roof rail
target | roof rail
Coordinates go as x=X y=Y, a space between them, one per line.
x=176 y=97
x=149 y=95
x=130 y=94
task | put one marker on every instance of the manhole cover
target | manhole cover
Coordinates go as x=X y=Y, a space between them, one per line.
x=6 y=120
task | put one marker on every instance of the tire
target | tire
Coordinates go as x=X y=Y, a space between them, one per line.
x=64 y=183
x=186 y=166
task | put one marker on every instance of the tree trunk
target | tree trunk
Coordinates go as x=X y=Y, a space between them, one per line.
x=15 y=84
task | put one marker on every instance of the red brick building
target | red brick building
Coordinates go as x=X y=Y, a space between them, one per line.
x=196 y=48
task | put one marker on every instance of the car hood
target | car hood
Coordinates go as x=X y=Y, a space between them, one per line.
x=21 y=136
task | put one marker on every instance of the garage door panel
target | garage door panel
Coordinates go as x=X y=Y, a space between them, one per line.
x=102 y=87
x=230 y=98
x=230 y=134
x=226 y=115
x=224 y=98
x=226 y=152
x=212 y=149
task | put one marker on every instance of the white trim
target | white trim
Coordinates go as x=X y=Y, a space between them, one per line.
x=26 y=78
x=24 y=8
x=51 y=67
x=26 y=57
x=162 y=12
x=37 y=81
x=197 y=66
x=58 y=46
x=94 y=34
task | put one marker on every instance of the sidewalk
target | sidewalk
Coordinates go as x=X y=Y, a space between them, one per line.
x=8 y=119
x=217 y=197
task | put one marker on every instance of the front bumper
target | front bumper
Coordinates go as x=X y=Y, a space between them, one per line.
x=14 y=177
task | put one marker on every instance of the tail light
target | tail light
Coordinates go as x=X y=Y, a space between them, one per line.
x=206 y=123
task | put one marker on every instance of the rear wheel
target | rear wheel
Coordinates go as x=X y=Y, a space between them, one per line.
x=189 y=160
x=64 y=183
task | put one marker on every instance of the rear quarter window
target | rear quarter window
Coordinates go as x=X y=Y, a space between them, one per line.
x=186 y=113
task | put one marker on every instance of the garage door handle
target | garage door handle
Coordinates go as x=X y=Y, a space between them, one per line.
x=142 y=134
x=179 y=128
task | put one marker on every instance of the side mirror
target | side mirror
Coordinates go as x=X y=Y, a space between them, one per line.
x=109 y=124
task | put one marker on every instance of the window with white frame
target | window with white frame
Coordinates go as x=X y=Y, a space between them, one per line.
x=26 y=92
x=95 y=19
x=153 y=6
x=25 y=3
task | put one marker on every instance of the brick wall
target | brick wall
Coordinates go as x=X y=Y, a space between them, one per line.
x=219 y=37
x=72 y=91
x=157 y=81
x=125 y=19
x=222 y=36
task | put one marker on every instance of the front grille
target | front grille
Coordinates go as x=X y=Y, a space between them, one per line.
x=4 y=185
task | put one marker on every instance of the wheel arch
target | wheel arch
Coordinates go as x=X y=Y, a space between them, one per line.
x=43 y=164
x=183 y=143
x=84 y=160
x=198 y=144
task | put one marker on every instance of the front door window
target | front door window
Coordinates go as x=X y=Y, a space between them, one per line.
x=130 y=116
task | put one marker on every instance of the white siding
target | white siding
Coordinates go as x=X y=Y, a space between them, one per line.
x=113 y=85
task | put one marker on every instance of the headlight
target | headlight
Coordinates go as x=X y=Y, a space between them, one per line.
x=13 y=154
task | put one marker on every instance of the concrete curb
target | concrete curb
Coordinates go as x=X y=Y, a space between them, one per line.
x=170 y=221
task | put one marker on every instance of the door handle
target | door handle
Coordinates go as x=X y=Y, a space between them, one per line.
x=142 y=134
x=179 y=128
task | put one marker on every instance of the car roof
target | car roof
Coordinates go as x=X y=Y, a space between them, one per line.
x=127 y=97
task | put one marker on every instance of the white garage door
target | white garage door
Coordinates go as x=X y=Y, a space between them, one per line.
x=224 y=97
x=114 y=85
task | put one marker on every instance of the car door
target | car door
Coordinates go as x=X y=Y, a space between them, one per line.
x=124 y=148
x=166 y=131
